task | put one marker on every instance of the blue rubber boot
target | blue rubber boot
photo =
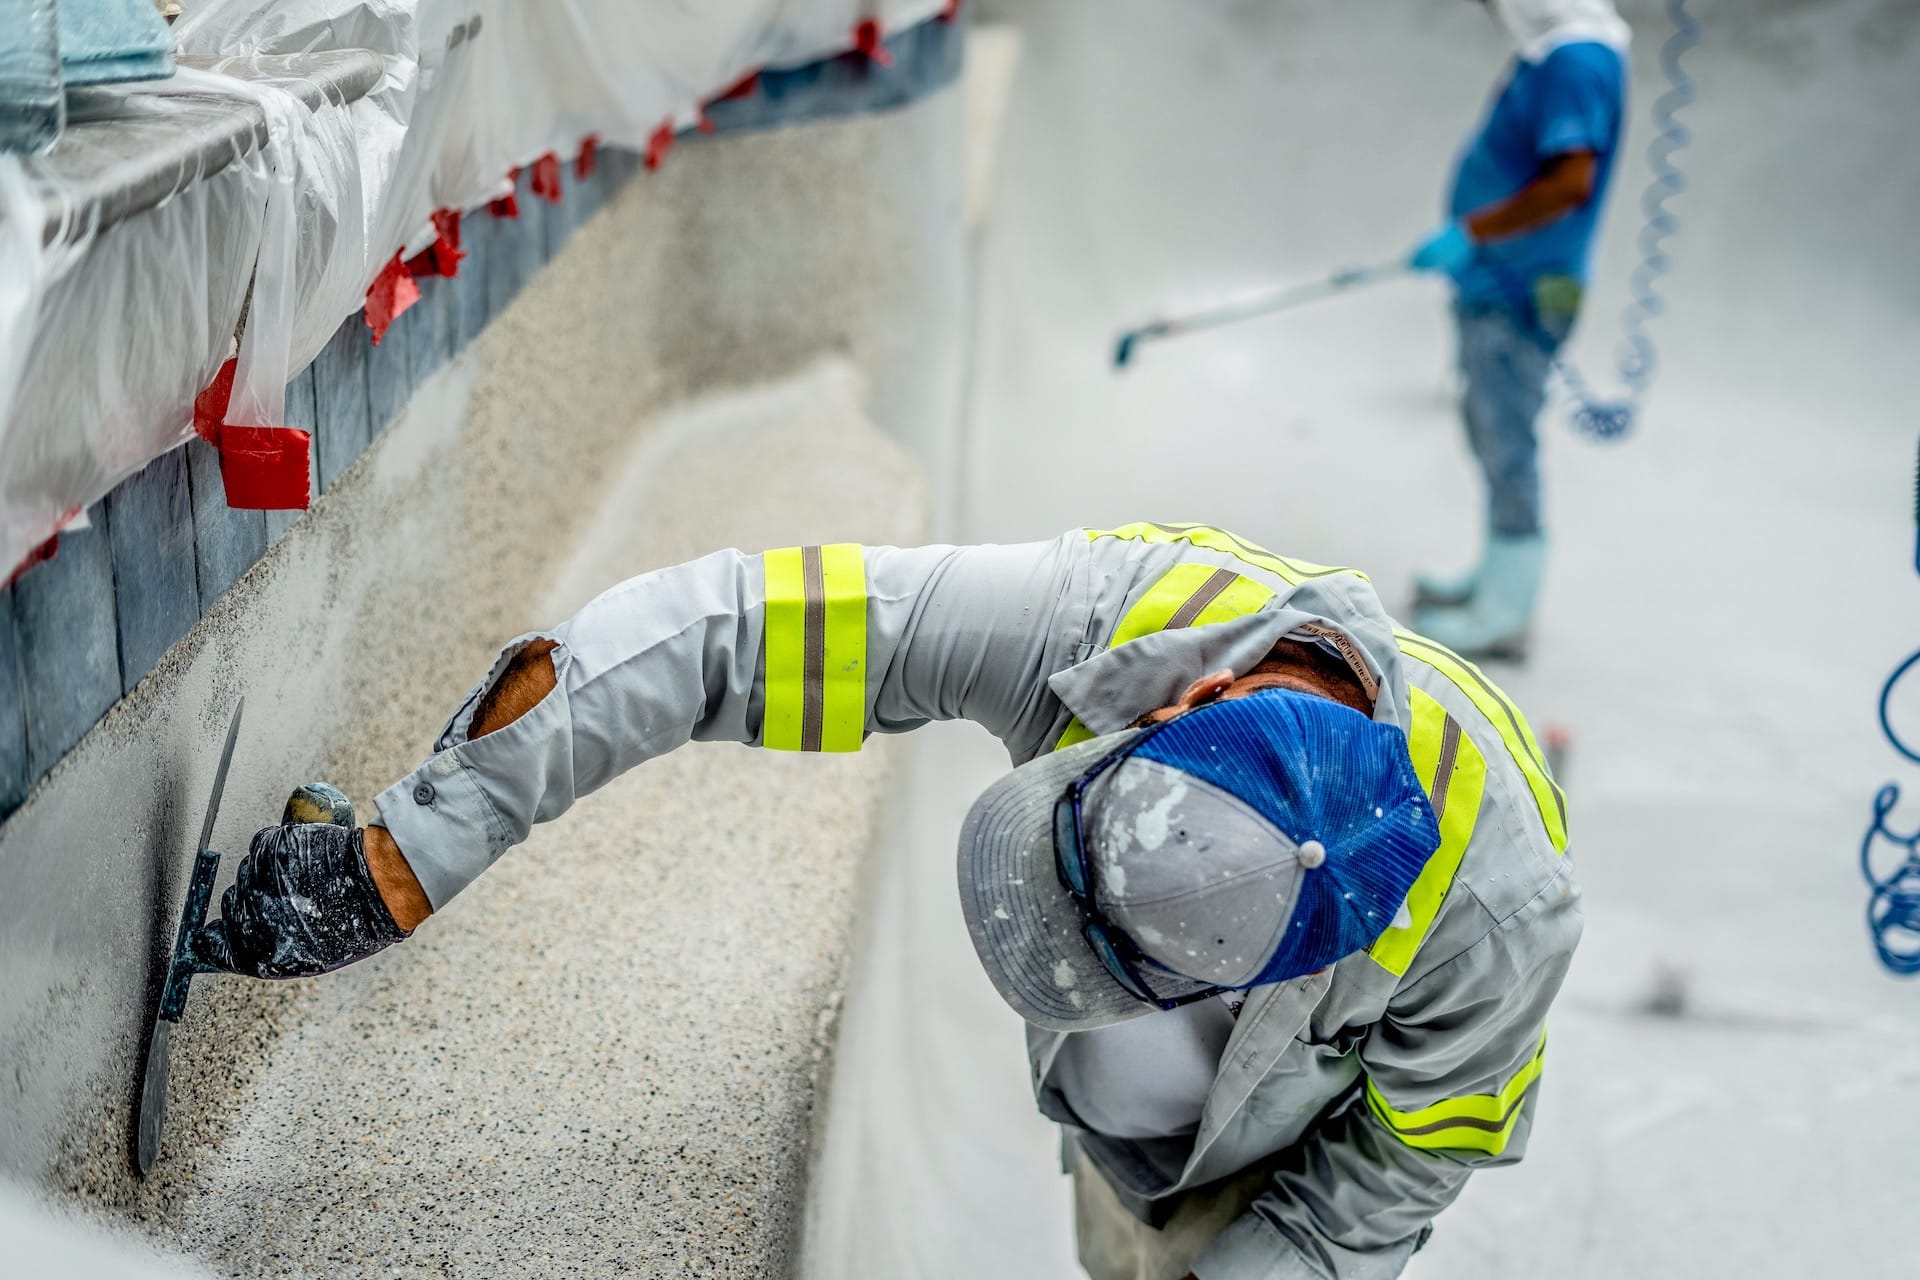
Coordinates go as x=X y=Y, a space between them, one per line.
x=1445 y=591
x=1495 y=621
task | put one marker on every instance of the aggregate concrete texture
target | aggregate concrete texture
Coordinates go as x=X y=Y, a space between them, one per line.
x=603 y=1057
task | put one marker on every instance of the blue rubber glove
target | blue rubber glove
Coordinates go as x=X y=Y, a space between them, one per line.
x=1449 y=250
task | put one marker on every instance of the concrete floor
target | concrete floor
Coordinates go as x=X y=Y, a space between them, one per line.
x=1729 y=587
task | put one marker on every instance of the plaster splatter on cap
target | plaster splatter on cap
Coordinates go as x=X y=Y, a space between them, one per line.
x=1247 y=842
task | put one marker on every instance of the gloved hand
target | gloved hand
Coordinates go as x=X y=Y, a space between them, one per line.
x=1449 y=249
x=303 y=902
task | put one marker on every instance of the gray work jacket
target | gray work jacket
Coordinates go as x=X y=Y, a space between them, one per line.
x=1371 y=1089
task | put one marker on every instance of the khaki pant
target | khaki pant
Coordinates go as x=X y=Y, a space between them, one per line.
x=1115 y=1245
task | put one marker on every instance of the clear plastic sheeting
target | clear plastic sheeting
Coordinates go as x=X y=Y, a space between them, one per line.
x=149 y=227
x=118 y=324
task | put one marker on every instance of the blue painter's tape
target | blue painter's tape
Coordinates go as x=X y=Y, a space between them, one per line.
x=300 y=413
x=69 y=645
x=470 y=286
x=340 y=400
x=390 y=370
x=586 y=195
x=926 y=58
x=504 y=271
x=14 y=778
x=436 y=330
x=225 y=542
x=155 y=579
x=517 y=250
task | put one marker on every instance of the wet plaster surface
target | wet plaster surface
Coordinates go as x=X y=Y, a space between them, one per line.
x=602 y=1058
x=605 y=1055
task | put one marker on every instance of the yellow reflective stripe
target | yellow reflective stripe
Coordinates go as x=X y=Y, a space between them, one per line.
x=816 y=626
x=1505 y=717
x=1454 y=774
x=1483 y=1122
x=1190 y=595
x=1187 y=595
x=1241 y=597
x=1076 y=734
x=1200 y=535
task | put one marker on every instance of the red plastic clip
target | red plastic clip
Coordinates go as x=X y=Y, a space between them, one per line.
x=266 y=468
x=659 y=143
x=868 y=42
x=589 y=157
x=546 y=178
x=261 y=468
x=388 y=298
x=40 y=554
x=210 y=406
x=508 y=205
x=442 y=257
x=745 y=87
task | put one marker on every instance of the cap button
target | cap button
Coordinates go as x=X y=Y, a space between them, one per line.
x=1312 y=854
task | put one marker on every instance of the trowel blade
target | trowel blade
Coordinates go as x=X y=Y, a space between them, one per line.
x=151 y=1118
x=153 y=1098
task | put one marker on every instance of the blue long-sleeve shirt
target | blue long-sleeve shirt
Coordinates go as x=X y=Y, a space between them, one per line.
x=1571 y=100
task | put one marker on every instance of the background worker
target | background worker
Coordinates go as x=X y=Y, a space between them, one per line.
x=1280 y=891
x=1527 y=193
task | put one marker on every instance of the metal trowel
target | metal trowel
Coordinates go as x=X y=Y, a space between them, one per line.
x=313 y=802
x=152 y=1115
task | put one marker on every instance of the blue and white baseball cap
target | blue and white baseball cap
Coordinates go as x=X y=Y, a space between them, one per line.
x=1248 y=841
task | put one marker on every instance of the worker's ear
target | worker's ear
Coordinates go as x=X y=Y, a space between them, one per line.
x=1206 y=689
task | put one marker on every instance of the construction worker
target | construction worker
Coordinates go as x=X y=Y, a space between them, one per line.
x=1281 y=890
x=1526 y=199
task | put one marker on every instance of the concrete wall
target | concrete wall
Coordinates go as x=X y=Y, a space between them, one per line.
x=606 y=1053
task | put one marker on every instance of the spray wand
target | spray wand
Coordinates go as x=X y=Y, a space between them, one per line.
x=1260 y=304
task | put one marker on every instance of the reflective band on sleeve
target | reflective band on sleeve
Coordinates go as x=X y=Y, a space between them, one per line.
x=1076 y=733
x=1187 y=595
x=1506 y=718
x=1199 y=535
x=816 y=625
x=1190 y=595
x=1454 y=773
x=1482 y=1122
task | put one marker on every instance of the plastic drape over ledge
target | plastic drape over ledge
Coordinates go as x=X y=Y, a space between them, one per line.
x=111 y=330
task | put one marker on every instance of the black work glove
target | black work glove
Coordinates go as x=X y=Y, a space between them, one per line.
x=302 y=902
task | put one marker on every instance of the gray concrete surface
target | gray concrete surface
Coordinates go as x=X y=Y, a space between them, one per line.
x=603 y=1057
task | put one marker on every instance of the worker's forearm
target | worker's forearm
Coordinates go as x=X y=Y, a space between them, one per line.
x=399 y=887
x=647 y=666
x=1563 y=186
x=527 y=679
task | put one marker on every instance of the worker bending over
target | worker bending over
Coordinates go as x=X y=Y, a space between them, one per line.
x=1281 y=890
x=1527 y=193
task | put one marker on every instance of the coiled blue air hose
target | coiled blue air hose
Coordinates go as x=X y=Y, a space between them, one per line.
x=1893 y=910
x=1636 y=358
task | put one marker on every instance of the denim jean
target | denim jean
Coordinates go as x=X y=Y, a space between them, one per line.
x=1506 y=361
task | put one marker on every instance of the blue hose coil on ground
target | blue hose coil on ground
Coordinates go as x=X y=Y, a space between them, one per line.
x=1893 y=910
x=1637 y=358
